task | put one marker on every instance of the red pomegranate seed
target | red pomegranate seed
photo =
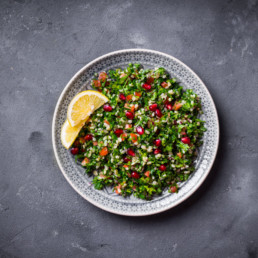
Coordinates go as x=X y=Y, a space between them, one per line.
x=169 y=106
x=139 y=130
x=107 y=108
x=130 y=152
x=129 y=115
x=186 y=140
x=173 y=189
x=162 y=168
x=153 y=107
x=146 y=86
x=122 y=97
x=158 y=113
x=135 y=175
x=157 y=151
x=75 y=151
x=88 y=137
x=126 y=160
x=157 y=142
x=118 y=132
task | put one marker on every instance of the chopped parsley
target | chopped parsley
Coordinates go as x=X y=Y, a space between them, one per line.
x=145 y=139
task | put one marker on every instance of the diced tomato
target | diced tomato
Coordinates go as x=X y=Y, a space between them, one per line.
x=138 y=94
x=179 y=154
x=129 y=97
x=133 y=137
x=106 y=122
x=85 y=161
x=127 y=126
x=122 y=75
x=96 y=83
x=123 y=136
x=125 y=166
x=147 y=173
x=127 y=106
x=177 y=106
x=164 y=84
x=150 y=80
x=173 y=189
x=95 y=143
x=82 y=140
x=118 y=189
x=102 y=76
x=104 y=152
x=132 y=108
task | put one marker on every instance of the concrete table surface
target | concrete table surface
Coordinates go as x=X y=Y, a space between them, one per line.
x=42 y=45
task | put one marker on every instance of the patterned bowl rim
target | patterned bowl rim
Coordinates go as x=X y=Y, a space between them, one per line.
x=76 y=76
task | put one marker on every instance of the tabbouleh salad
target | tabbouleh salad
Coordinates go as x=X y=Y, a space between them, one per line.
x=146 y=138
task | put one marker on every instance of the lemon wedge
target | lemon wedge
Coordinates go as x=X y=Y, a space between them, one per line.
x=83 y=105
x=69 y=133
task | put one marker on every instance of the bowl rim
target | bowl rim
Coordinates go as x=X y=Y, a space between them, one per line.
x=74 y=78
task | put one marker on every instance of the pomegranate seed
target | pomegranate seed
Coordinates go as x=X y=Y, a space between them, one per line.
x=153 y=107
x=122 y=97
x=88 y=137
x=173 y=189
x=129 y=115
x=169 y=106
x=126 y=160
x=157 y=142
x=157 y=151
x=135 y=175
x=158 y=113
x=146 y=86
x=130 y=152
x=118 y=132
x=139 y=130
x=107 y=108
x=162 y=168
x=75 y=151
x=186 y=140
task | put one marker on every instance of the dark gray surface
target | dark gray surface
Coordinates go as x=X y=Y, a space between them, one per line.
x=42 y=45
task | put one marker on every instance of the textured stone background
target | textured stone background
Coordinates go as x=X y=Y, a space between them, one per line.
x=42 y=44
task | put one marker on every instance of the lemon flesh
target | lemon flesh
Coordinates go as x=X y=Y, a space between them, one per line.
x=69 y=133
x=83 y=105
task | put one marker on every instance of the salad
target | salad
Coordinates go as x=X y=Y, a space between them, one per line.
x=145 y=139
